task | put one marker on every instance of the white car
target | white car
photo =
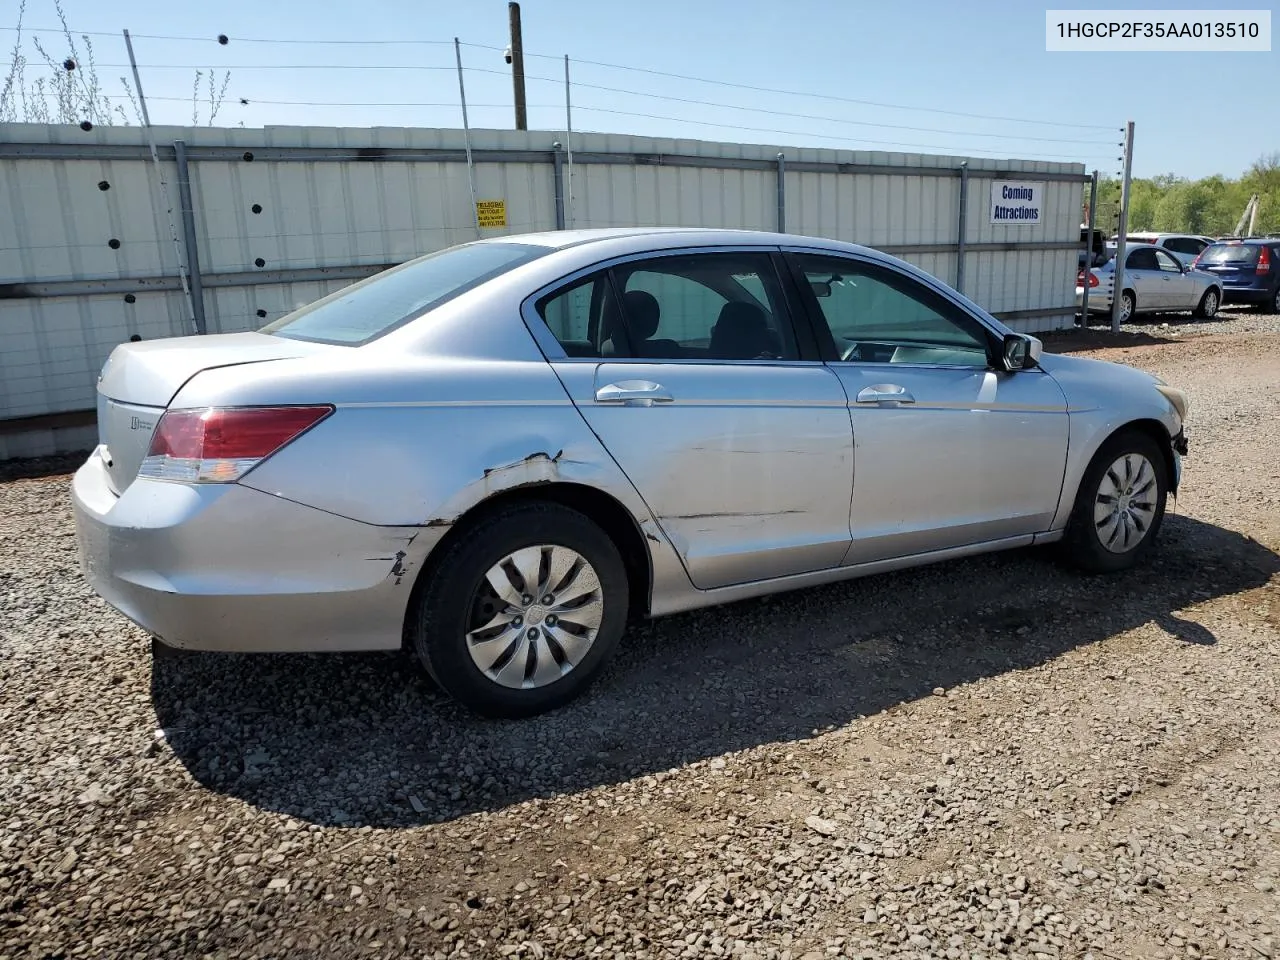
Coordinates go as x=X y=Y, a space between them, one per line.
x=1184 y=246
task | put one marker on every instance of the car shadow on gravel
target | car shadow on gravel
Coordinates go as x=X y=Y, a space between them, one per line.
x=352 y=740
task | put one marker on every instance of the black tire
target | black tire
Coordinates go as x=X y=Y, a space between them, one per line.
x=439 y=623
x=1272 y=305
x=1206 y=311
x=1082 y=543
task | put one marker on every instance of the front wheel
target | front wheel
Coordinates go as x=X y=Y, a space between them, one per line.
x=1119 y=506
x=519 y=615
x=1208 y=307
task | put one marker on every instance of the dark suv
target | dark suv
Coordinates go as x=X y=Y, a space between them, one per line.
x=1249 y=270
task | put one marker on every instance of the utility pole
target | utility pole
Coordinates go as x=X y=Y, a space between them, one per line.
x=1123 y=232
x=517 y=66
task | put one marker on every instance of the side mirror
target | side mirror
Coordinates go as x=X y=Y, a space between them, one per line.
x=1021 y=352
x=821 y=288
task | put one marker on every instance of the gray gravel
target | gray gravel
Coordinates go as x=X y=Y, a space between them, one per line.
x=993 y=757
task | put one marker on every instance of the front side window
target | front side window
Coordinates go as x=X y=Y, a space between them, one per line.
x=712 y=306
x=375 y=306
x=877 y=315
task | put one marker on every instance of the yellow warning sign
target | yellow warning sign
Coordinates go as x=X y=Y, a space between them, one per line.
x=491 y=213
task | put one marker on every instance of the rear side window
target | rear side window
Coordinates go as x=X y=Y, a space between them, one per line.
x=366 y=310
x=1184 y=245
x=1229 y=253
x=705 y=306
x=1142 y=259
x=574 y=316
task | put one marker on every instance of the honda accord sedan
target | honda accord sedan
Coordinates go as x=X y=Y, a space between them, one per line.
x=499 y=454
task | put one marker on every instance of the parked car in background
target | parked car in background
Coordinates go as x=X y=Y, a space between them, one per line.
x=499 y=453
x=1248 y=271
x=1154 y=282
x=1184 y=246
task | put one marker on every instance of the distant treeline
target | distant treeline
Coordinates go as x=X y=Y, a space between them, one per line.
x=1211 y=206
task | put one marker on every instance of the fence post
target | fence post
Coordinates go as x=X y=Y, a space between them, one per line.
x=782 y=193
x=558 y=176
x=1088 y=251
x=962 y=226
x=189 y=236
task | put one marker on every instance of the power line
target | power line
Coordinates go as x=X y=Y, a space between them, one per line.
x=803 y=133
x=280 y=66
x=798 y=93
x=596 y=63
x=218 y=38
x=799 y=116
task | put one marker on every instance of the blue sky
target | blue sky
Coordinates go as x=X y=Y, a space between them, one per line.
x=984 y=58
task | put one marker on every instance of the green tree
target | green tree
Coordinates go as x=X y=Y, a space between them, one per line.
x=1212 y=205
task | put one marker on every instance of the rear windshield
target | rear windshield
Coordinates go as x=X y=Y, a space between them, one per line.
x=366 y=310
x=1229 y=253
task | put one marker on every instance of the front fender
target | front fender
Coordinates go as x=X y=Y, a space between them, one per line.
x=1103 y=398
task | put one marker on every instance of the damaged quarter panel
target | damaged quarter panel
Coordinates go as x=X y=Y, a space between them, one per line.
x=1101 y=398
x=420 y=440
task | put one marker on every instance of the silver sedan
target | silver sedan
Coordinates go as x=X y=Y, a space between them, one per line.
x=500 y=453
x=1154 y=282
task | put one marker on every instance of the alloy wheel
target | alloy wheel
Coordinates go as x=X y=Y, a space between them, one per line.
x=1126 y=307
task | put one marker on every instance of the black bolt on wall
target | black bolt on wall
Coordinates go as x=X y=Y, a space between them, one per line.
x=259 y=262
x=248 y=156
x=256 y=208
x=113 y=243
x=223 y=39
x=104 y=185
x=262 y=313
x=86 y=126
x=130 y=298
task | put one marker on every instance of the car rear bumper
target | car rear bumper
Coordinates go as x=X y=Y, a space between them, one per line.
x=1099 y=300
x=1246 y=294
x=224 y=567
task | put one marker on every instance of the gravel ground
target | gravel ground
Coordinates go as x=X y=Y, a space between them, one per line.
x=993 y=757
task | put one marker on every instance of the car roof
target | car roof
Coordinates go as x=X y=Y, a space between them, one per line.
x=621 y=241
x=663 y=236
x=1153 y=235
x=1247 y=241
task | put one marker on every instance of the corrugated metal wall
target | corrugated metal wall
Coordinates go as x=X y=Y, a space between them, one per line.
x=287 y=214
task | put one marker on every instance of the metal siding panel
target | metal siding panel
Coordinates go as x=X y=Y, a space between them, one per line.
x=336 y=212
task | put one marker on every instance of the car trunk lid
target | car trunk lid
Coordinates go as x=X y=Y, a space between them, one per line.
x=140 y=379
x=1235 y=264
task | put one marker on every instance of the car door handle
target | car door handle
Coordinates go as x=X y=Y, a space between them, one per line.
x=885 y=393
x=641 y=392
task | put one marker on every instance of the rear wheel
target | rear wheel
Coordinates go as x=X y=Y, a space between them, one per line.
x=1120 y=504
x=1128 y=303
x=520 y=614
x=1209 y=303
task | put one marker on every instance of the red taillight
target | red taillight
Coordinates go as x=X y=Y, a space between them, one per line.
x=1264 y=260
x=1093 y=279
x=219 y=445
